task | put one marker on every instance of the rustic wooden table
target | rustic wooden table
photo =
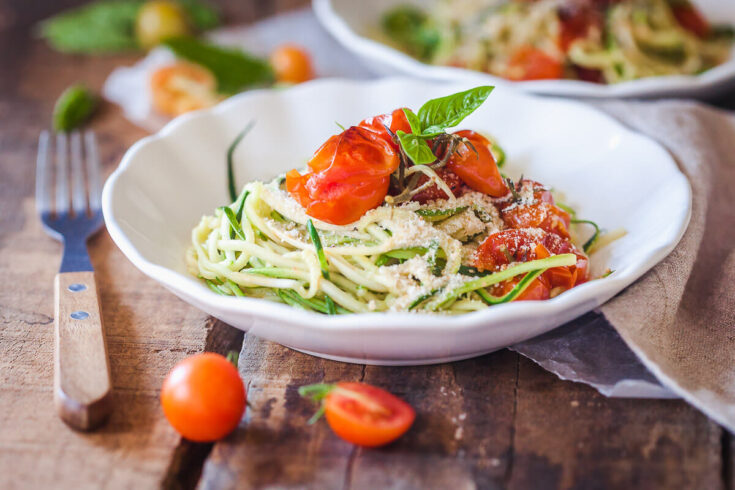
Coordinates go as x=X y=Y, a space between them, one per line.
x=495 y=421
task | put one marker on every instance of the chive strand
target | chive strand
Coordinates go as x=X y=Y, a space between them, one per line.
x=230 y=164
x=319 y=250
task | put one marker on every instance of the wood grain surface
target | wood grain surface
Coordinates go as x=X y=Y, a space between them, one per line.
x=498 y=421
x=82 y=385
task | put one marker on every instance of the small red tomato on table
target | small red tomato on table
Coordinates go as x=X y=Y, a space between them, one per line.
x=203 y=397
x=361 y=413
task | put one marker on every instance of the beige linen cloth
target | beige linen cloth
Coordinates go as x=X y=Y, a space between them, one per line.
x=679 y=318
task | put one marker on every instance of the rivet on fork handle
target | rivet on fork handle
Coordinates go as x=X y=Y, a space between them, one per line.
x=82 y=386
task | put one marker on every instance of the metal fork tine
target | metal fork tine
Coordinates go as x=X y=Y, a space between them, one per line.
x=93 y=170
x=62 y=175
x=78 y=191
x=43 y=195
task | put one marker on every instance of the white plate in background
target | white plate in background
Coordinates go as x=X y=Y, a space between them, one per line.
x=352 y=22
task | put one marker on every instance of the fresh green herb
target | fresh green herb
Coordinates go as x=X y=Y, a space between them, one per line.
x=513 y=293
x=278 y=216
x=234 y=224
x=234 y=69
x=442 y=113
x=588 y=244
x=422 y=298
x=340 y=126
x=566 y=208
x=73 y=108
x=510 y=272
x=331 y=310
x=607 y=273
x=314 y=235
x=317 y=393
x=108 y=26
x=241 y=206
x=416 y=148
x=440 y=214
x=412 y=30
x=413 y=120
x=230 y=160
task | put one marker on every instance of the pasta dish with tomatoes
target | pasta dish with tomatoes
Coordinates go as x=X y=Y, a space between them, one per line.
x=395 y=214
x=601 y=41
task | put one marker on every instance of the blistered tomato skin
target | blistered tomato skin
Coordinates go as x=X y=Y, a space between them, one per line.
x=476 y=167
x=349 y=176
x=529 y=63
x=395 y=121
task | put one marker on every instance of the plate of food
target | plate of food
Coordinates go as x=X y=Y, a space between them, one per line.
x=396 y=221
x=576 y=48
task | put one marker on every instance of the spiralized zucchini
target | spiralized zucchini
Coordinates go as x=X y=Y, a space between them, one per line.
x=635 y=39
x=409 y=257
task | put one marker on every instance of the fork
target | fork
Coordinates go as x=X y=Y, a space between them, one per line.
x=82 y=385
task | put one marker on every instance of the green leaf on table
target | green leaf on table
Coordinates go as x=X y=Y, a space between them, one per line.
x=106 y=26
x=436 y=115
x=73 y=108
x=416 y=148
x=234 y=69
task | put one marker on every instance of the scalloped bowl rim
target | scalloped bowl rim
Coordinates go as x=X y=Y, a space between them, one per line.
x=589 y=295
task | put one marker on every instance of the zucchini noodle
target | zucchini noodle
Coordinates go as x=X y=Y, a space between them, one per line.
x=410 y=257
x=610 y=43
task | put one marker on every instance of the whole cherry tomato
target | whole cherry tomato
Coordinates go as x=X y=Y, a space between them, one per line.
x=291 y=64
x=529 y=63
x=691 y=19
x=540 y=212
x=203 y=397
x=476 y=167
x=362 y=414
x=183 y=87
x=349 y=176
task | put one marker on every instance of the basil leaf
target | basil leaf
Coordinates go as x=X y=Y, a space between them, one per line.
x=439 y=114
x=73 y=107
x=413 y=121
x=234 y=69
x=416 y=148
x=202 y=15
x=413 y=31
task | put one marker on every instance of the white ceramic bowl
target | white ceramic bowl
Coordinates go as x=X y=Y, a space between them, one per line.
x=167 y=181
x=354 y=22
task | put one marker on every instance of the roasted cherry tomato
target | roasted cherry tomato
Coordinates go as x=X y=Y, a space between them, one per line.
x=690 y=18
x=363 y=414
x=433 y=192
x=394 y=121
x=182 y=87
x=349 y=176
x=576 y=20
x=539 y=212
x=476 y=167
x=529 y=63
x=291 y=64
x=539 y=289
x=203 y=397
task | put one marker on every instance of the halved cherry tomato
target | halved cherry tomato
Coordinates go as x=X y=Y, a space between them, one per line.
x=538 y=289
x=394 y=121
x=349 y=176
x=183 y=87
x=203 y=397
x=291 y=64
x=691 y=19
x=529 y=63
x=477 y=168
x=363 y=414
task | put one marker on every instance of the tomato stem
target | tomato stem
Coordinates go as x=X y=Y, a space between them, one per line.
x=233 y=357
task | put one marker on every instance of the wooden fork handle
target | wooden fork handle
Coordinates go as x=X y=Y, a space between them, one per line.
x=82 y=386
